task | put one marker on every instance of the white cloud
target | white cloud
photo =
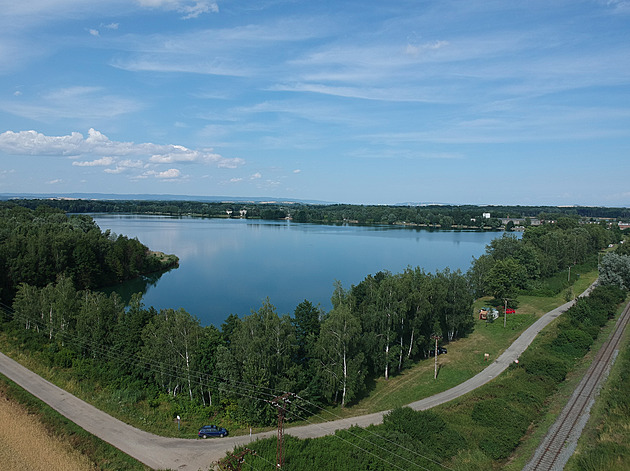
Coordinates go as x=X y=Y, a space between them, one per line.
x=98 y=144
x=297 y=170
x=255 y=176
x=94 y=32
x=190 y=9
x=170 y=174
x=415 y=50
x=55 y=181
x=236 y=180
x=105 y=161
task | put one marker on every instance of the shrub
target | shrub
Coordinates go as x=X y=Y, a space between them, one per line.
x=572 y=342
x=499 y=445
x=545 y=365
x=498 y=413
x=426 y=427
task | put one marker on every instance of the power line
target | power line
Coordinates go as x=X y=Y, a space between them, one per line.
x=240 y=388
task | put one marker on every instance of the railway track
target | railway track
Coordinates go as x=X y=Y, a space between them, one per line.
x=552 y=453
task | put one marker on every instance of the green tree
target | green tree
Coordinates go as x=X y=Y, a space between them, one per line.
x=614 y=269
x=171 y=340
x=340 y=361
x=505 y=278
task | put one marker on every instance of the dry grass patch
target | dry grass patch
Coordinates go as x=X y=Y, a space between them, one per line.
x=26 y=444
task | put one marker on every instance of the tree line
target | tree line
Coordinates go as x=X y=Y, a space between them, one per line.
x=534 y=263
x=37 y=245
x=435 y=215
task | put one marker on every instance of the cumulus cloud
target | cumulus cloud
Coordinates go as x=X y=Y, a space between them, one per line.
x=94 y=32
x=170 y=174
x=139 y=161
x=189 y=9
x=98 y=144
x=255 y=176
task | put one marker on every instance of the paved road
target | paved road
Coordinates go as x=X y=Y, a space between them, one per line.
x=192 y=455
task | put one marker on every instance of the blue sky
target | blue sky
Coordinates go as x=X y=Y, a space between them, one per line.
x=473 y=101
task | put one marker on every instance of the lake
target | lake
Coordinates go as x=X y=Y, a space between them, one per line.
x=230 y=266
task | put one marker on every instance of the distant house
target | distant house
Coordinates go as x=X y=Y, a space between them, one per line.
x=520 y=221
x=486 y=215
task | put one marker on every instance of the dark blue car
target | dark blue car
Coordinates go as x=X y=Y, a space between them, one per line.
x=212 y=431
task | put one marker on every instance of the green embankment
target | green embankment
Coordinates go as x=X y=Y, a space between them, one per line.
x=605 y=441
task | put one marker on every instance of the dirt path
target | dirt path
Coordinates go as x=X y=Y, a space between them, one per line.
x=182 y=454
x=26 y=444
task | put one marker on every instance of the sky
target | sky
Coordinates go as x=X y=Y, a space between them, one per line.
x=362 y=102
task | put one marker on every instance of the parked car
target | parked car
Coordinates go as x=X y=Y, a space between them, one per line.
x=440 y=351
x=509 y=310
x=212 y=431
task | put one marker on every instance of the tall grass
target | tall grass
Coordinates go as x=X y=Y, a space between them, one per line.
x=97 y=453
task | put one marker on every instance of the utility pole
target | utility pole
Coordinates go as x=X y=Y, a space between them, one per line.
x=436 y=337
x=280 y=402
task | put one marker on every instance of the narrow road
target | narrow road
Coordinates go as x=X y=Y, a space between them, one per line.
x=185 y=454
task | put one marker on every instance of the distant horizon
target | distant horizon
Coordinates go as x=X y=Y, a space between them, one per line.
x=254 y=199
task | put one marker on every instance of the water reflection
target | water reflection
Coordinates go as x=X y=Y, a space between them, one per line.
x=231 y=266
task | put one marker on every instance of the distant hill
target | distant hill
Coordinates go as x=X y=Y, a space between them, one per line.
x=152 y=197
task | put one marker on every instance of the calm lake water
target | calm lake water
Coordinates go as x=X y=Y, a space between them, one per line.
x=229 y=266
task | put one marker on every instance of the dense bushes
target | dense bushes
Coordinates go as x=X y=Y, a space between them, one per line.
x=407 y=440
x=610 y=447
x=541 y=369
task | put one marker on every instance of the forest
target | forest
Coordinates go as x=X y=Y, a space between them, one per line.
x=166 y=358
x=38 y=245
